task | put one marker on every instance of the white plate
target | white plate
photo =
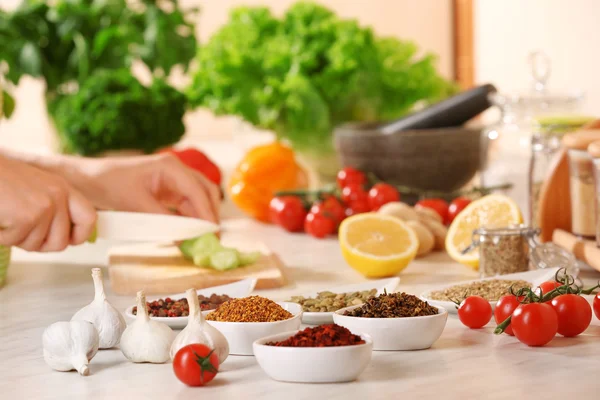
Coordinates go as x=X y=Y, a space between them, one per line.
x=234 y=290
x=534 y=277
x=320 y=318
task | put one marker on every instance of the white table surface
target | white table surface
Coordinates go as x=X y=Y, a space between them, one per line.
x=462 y=364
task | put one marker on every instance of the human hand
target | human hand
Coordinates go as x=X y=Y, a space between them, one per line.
x=153 y=184
x=40 y=211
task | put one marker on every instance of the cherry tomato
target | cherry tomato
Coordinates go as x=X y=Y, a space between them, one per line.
x=534 y=324
x=475 y=312
x=597 y=305
x=574 y=314
x=288 y=212
x=354 y=192
x=195 y=364
x=358 y=207
x=547 y=287
x=349 y=176
x=319 y=225
x=457 y=205
x=505 y=306
x=331 y=207
x=438 y=205
x=382 y=193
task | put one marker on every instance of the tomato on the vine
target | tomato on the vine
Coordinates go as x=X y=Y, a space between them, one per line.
x=288 y=212
x=331 y=207
x=353 y=193
x=574 y=314
x=195 y=364
x=319 y=225
x=456 y=206
x=440 y=206
x=475 y=312
x=505 y=307
x=350 y=176
x=382 y=193
x=534 y=324
x=597 y=305
x=547 y=287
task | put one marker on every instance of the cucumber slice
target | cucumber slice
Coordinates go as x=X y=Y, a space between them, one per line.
x=225 y=259
x=202 y=260
x=202 y=245
x=249 y=258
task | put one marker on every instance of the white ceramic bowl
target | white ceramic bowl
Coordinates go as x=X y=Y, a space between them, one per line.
x=312 y=364
x=411 y=333
x=234 y=290
x=320 y=318
x=241 y=335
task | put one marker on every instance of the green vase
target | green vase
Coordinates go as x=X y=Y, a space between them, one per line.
x=4 y=262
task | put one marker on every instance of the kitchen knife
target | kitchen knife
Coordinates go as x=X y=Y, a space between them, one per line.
x=142 y=227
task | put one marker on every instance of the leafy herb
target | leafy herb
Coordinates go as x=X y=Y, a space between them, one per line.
x=309 y=71
x=113 y=110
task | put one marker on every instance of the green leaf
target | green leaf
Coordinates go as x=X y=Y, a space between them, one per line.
x=8 y=105
x=31 y=59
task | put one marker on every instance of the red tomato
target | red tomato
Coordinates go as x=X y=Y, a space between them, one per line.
x=349 y=176
x=597 y=305
x=382 y=193
x=438 y=205
x=505 y=307
x=195 y=364
x=358 y=207
x=353 y=193
x=457 y=205
x=534 y=324
x=198 y=161
x=547 y=287
x=574 y=314
x=287 y=212
x=319 y=225
x=331 y=207
x=475 y=312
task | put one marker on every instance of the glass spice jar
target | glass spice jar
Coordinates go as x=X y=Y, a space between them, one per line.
x=515 y=249
x=548 y=132
x=581 y=182
x=503 y=250
x=594 y=152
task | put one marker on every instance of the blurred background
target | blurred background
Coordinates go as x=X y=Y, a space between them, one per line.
x=502 y=33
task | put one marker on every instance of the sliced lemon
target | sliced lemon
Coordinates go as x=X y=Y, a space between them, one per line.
x=492 y=211
x=377 y=245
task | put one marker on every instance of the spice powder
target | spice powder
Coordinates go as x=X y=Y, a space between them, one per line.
x=393 y=305
x=330 y=335
x=249 y=309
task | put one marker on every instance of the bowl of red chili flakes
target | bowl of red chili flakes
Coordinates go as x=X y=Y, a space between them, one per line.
x=323 y=354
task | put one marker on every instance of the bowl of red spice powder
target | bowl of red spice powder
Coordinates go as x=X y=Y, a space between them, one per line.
x=323 y=354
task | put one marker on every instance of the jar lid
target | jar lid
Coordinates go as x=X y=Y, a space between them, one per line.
x=580 y=140
x=556 y=124
x=594 y=149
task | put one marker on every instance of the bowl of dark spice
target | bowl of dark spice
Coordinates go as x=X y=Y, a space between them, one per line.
x=323 y=354
x=247 y=319
x=395 y=321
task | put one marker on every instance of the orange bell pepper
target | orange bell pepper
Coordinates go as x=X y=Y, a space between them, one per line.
x=263 y=171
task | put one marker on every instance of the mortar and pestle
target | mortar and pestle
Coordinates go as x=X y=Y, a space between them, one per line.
x=430 y=149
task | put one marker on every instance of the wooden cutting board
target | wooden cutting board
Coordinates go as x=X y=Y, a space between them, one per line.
x=161 y=269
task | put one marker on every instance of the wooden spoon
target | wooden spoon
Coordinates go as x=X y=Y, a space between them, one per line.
x=554 y=207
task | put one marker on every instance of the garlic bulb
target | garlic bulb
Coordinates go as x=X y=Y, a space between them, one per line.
x=108 y=320
x=70 y=345
x=199 y=331
x=146 y=340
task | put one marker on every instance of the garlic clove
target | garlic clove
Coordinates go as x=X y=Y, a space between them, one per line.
x=146 y=340
x=107 y=319
x=70 y=345
x=199 y=331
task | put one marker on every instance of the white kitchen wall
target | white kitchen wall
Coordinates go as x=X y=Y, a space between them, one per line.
x=428 y=22
x=507 y=31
